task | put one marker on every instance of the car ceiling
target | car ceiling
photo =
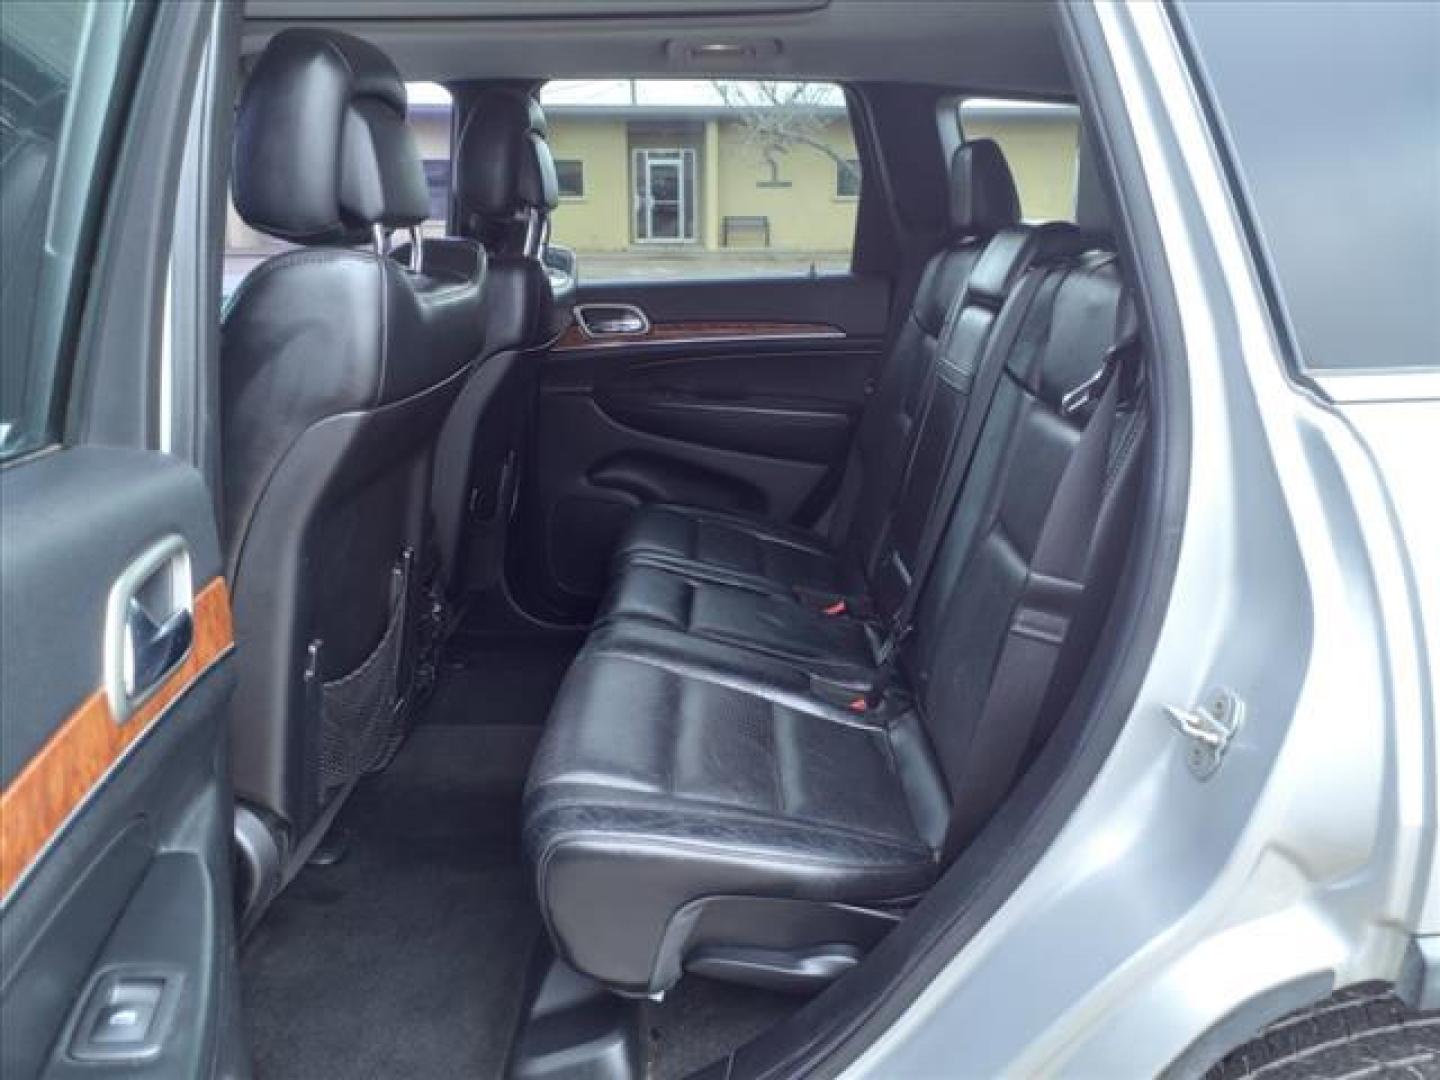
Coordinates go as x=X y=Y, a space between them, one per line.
x=985 y=46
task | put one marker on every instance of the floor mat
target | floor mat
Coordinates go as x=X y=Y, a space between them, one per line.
x=513 y=684
x=701 y=1021
x=405 y=959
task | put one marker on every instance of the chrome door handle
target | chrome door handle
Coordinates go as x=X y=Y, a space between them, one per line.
x=155 y=648
x=608 y=320
x=149 y=624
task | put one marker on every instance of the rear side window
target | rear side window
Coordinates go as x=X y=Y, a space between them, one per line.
x=669 y=178
x=1336 y=141
x=59 y=68
x=429 y=116
x=1041 y=141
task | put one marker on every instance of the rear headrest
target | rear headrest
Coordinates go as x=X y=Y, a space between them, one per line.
x=983 y=199
x=322 y=150
x=503 y=165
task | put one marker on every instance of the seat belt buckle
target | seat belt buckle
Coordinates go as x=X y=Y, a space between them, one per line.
x=853 y=695
x=833 y=605
x=890 y=644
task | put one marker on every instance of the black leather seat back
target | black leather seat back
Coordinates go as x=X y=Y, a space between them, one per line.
x=338 y=366
x=1072 y=320
x=506 y=187
x=983 y=201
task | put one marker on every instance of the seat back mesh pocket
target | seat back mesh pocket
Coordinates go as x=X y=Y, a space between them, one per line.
x=360 y=726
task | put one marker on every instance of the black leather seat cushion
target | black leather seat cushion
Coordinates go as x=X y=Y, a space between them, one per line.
x=760 y=620
x=655 y=786
x=730 y=546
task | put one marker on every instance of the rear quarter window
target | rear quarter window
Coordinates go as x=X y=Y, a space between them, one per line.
x=1331 y=113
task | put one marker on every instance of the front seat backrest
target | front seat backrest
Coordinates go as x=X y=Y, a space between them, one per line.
x=338 y=366
x=506 y=188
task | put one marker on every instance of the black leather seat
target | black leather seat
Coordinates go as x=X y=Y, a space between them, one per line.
x=338 y=366
x=696 y=805
x=506 y=188
x=822 y=631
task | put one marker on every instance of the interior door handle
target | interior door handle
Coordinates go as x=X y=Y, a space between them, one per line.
x=149 y=624
x=155 y=647
x=609 y=320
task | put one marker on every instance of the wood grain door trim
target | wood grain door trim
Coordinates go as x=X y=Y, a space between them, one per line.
x=42 y=798
x=680 y=333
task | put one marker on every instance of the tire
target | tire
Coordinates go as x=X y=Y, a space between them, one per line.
x=1361 y=1033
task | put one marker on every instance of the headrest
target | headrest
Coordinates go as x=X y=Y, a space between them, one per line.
x=503 y=164
x=322 y=150
x=983 y=199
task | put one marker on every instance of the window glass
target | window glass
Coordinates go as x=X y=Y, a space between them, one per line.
x=671 y=178
x=571 y=176
x=1336 y=140
x=429 y=117
x=58 y=63
x=1041 y=141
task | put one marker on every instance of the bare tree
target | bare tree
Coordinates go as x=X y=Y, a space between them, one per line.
x=778 y=116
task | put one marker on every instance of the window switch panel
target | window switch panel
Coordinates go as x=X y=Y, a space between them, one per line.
x=122 y=1019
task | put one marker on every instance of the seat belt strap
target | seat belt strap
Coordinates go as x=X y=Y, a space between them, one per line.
x=1044 y=610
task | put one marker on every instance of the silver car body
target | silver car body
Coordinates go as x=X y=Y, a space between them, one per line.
x=1308 y=582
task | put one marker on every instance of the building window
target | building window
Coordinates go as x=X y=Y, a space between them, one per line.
x=571 y=175
x=437 y=179
x=847 y=178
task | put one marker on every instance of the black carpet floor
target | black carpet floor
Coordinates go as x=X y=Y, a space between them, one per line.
x=405 y=958
x=504 y=684
x=408 y=957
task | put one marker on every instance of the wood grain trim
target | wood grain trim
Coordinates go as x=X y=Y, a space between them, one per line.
x=672 y=333
x=63 y=773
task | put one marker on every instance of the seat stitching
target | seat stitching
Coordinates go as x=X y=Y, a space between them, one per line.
x=775 y=776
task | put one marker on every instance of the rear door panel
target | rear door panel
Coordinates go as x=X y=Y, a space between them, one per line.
x=742 y=395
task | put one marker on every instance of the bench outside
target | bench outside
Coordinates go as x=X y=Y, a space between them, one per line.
x=744 y=221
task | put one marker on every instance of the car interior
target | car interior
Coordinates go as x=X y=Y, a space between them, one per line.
x=633 y=672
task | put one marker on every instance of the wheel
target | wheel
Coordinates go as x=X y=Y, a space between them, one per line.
x=1361 y=1032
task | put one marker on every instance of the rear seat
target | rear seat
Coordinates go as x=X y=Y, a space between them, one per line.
x=700 y=803
x=845 y=639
